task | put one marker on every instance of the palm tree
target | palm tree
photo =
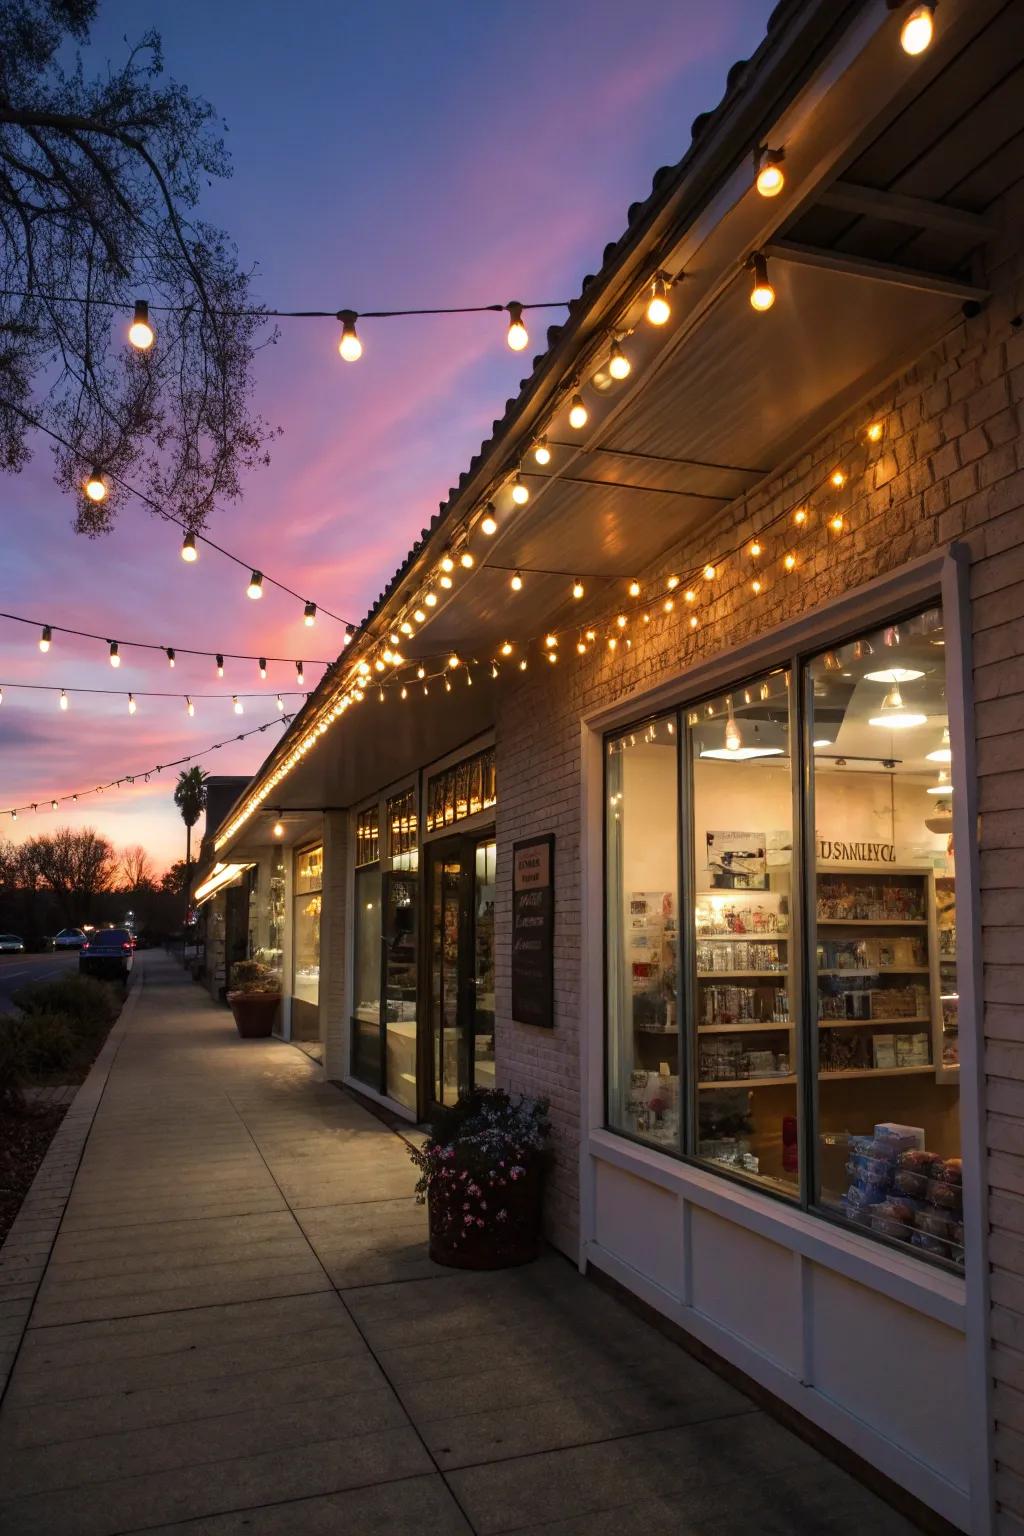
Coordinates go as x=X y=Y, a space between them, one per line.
x=190 y=798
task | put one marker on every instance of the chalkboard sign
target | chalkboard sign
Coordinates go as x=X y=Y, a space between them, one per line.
x=533 y=931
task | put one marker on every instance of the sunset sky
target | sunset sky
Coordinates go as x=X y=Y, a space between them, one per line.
x=384 y=156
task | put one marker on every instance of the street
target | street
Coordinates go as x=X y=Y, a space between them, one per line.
x=18 y=970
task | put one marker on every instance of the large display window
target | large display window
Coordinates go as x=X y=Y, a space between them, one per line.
x=786 y=1012
x=307 y=901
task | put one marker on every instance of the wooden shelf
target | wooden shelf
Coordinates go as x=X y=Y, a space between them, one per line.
x=711 y=975
x=877 y=970
x=825 y=1077
x=758 y=938
x=747 y=1082
x=738 y=1029
x=872 y=922
x=862 y=1023
x=652 y=1029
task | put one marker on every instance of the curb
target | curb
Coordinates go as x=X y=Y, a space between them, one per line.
x=26 y=1252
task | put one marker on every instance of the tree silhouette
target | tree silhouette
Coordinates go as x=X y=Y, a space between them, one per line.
x=76 y=864
x=190 y=798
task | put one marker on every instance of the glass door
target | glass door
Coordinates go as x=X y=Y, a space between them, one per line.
x=461 y=953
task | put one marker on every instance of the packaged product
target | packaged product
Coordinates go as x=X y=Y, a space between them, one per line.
x=946 y=1197
x=894 y=1218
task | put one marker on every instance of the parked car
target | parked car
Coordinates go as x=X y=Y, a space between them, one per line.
x=108 y=952
x=69 y=938
x=11 y=944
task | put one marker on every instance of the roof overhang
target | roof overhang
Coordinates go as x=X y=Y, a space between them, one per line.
x=221 y=875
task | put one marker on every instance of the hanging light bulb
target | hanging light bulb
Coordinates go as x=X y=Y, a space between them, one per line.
x=621 y=621
x=140 y=332
x=96 y=487
x=894 y=716
x=404 y=694
x=523 y=664
x=581 y=646
x=170 y=657
x=800 y=516
x=755 y=587
x=220 y=664
x=443 y=581
x=658 y=309
x=837 y=522
x=541 y=451
x=506 y=648
x=618 y=363
x=578 y=412
x=918 y=30
x=518 y=336
x=115 y=655
x=418 y=615
x=453 y=660
x=279 y=826
x=874 y=432
x=45 y=638
x=613 y=643
x=837 y=478
x=350 y=348
x=300 y=675
x=431 y=598
x=236 y=704
x=577 y=589
x=789 y=561
x=943 y=753
x=190 y=708
x=634 y=589
x=494 y=669
x=672 y=583
x=280 y=703
x=466 y=559
x=421 y=673
x=189 y=552
x=53 y=805
x=689 y=596
x=550 y=641
x=710 y=572
x=447 y=563
x=263 y=667
x=520 y=491
x=132 y=706
x=552 y=655
x=762 y=294
x=309 y=615
x=733 y=739
x=770 y=179
x=447 y=685
x=489 y=523
x=516 y=583
x=63 y=699
x=255 y=587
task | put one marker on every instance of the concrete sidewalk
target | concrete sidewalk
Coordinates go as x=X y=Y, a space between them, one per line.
x=238 y=1331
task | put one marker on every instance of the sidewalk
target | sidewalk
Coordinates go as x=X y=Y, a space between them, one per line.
x=238 y=1333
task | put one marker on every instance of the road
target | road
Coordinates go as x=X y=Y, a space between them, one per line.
x=18 y=970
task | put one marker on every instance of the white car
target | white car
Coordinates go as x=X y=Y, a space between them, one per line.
x=68 y=938
x=10 y=944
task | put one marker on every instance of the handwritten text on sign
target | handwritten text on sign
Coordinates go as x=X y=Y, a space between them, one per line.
x=533 y=931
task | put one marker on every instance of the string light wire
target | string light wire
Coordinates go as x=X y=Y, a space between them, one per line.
x=150 y=645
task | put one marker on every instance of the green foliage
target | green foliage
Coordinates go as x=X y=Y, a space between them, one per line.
x=251 y=976
x=50 y=1043
x=13 y=1067
x=86 y=1002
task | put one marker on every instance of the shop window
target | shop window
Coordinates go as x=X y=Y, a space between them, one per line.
x=307 y=900
x=643 y=935
x=368 y=836
x=742 y=1007
x=462 y=790
x=883 y=927
x=401 y=825
x=366 y=1037
x=819 y=953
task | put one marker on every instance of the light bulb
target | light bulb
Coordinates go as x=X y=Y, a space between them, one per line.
x=45 y=638
x=278 y=829
x=523 y=664
x=918 y=30
x=658 y=309
x=447 y=686
x=489 y=523
x=131 y=704
x=309 y=615
x=770 y=179
x=552 y=655
x=431 y=599
x=710 y=572
x=618 y=362
x=694 y=621
x=943 y=753
x=612 y=643
x=581 y=647
x=466 y=559
x=53 y=805
x=634 y=589
x=894 y=716
x=733 y=739
x=418 y=615
x=577 y=413
x=447 y=564
x=518 y=336
x=689 y=596
x=236 y=704
x=874 y=432
x=255 y=587
x=790 y=561
x=280 y=703
x=95 y=487
x=506 y=649
x=300 y=676
x=754 y=550
x=263 y=667
x=836 y=523
x=189 y=553
x=453 y=660
x=762 y=295
x=668 y=604
x=672 y=583
x=170 y=657
x=190 y=708
x=800 y=516
x=516 y=583
x=541 y=452
x=220 y=665
x=577 y=589
x=115 y=655
x=421 y=673
x=444 y=581
x=550 y=641
x=621 y=621
x=890 y=675
x=837 y=478
x=755 y=586
x=943 y=786
x=63 y=699
x=350 y=348
x=520 y=492
x=140 y=332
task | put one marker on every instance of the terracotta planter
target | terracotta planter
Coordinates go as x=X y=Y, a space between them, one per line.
x=255 y=1013
x=516 y=1241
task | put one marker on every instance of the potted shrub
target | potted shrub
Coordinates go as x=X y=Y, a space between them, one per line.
x=481 y=1176
x=254 y=998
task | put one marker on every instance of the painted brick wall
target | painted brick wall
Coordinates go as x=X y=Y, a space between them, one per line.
x=950 y=467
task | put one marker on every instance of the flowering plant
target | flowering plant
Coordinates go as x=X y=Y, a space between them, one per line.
x=481 y=1166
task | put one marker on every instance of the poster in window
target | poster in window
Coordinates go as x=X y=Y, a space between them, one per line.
x=533 y=931
x=738 y=861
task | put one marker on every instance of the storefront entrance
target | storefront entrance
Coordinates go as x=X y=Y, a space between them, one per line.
x=460 y=885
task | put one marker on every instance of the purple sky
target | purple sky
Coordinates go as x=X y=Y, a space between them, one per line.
x=384 y=157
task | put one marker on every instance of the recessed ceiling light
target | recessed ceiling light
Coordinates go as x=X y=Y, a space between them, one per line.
x=740 y=754
x=822 y=743
x=894 y=716
x=894 y=675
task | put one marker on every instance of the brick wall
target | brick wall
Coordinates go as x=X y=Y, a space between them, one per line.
x=949 y=467
x=334 y=946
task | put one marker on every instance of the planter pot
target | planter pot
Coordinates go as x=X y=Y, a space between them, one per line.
x=516 y=1241
x=255 y=1013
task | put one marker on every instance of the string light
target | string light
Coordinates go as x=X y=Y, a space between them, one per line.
x=541 y=451
x=762 y=294
x=140 y=332
x=790 y=561
x=918 y=30
x=419 y=615
x=279 y=826
x=445 y=581
x=518 y=336
x=516 y=583
x=489 y=523
x=634 y=589
x=689 y=596
x=800 y=516
x=837 y=478
x=453 y=660
x=552 y=656
x=46 y=638
x=672 y=583
x=506 y=648
x=770 y=179
x=255 y=587
x=754 y=550
x=220 y=664
x=658 y=308
x=63 y=699
x=874 y=432
x=300 y=675
x=309 y=615
x=447 y=563
x=132 y=706
x=618 y=363
x=115 y=655
x=189 y=552
x=170 y=657
x=466 y=559
x=96 y=487
x=577 y=589
x=755 y=586
x=263 y=667
x=190 y=708
x=350 y=348
x=837 y=522
x=280 y=703
x=578 y=413
x=710 y=572
x=236 y=704
x=520 y=491
x=550 y=641
x=431 y=599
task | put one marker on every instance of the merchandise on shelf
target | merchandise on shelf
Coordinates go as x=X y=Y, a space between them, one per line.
x=869 y=898
x=905 y=1193
x=765 y=913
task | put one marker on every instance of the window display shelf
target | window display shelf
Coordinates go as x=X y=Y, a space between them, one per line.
x=847 y=1072
x=738 y=1029
x=869 y=1023
x=656 y=1029
x=872 y=922
x=782 y=971
x=747 y=1082
x=877 y=970
x=773 y=937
